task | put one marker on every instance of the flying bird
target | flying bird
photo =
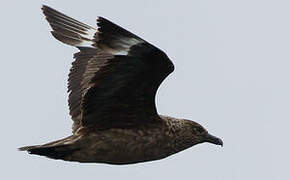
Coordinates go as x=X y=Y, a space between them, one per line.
x=112 y=86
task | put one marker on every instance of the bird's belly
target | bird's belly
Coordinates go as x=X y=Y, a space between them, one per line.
x=123 y=147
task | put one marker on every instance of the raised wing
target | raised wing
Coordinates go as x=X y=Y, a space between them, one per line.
x=115 y=76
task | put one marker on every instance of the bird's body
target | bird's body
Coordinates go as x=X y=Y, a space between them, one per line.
x=112 y=87
x=122 y=146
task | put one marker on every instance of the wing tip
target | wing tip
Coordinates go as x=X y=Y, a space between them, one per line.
x=68 y=30
x=45 y=9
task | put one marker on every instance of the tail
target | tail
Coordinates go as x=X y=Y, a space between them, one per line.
x=60 y=149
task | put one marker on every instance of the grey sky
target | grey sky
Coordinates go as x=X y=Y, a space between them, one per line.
x=232 y=75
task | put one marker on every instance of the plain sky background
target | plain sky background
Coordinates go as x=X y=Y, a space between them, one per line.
x=232 y=61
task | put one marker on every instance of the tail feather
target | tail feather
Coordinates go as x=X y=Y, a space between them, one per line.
x=26 y=148
x=54 y=152
x=60 y=149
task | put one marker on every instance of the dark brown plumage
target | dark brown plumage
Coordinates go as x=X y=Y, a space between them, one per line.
x=112 y=86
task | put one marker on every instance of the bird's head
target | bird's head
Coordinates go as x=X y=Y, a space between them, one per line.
x=200 y=134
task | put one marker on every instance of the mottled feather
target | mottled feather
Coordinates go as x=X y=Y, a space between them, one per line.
x=112 y=86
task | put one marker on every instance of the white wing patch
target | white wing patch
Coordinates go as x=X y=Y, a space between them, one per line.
x=124 y=44
x=87 y=39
